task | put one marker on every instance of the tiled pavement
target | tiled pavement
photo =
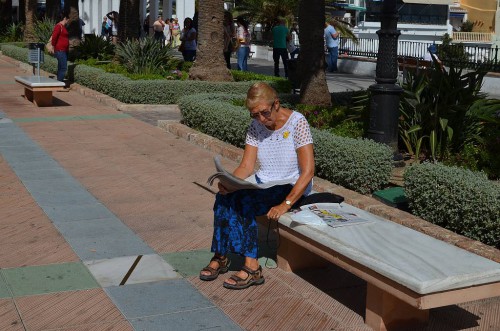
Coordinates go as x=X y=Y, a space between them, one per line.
x=87 y=192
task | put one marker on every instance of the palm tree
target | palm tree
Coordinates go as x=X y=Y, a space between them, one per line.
x=129 y=24
x=5 y=13
x=30 y=19
x=267 y=12
x=210 y=64
x=313 y=87
x=53 y=9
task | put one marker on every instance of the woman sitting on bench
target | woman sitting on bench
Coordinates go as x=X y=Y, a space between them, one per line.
x=280 y=139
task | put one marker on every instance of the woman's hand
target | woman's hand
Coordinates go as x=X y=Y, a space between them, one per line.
x=275 y=212
x=222 y=189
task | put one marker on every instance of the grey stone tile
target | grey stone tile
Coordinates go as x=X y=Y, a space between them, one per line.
x=200 y=319
x=102 y=239
x=150 y=268
x=43 y=174
x=80 y=212
x=58 y=191
x=42 y=163
x=169 y=296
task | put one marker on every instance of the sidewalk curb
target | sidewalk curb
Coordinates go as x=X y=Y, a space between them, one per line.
x=353 y=198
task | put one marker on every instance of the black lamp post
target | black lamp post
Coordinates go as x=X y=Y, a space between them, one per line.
x=385 y=94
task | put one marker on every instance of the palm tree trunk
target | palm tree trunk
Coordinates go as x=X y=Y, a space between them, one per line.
x=5 y=13
x=30 y=19
x=313 y=87
x=129 y=25
x=53 y=9
x=210 y=64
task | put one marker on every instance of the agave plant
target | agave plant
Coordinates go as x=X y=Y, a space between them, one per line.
x=43 y=29
x=12 y=32
x=145 y=56
x=95 y=47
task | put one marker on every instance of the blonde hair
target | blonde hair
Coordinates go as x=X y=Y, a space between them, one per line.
x=260 y=92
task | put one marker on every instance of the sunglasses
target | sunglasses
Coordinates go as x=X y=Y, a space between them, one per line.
x=266 y=113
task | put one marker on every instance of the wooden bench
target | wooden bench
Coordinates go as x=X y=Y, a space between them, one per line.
x=407 y=272
x=412 y=64
x=38 y=89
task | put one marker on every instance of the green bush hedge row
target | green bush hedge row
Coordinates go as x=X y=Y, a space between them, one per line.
x=134 y=91
x=357 y=164
x=455 y=198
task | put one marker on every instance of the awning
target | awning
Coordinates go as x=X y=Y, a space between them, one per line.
x=346 y=6
x=431 y=2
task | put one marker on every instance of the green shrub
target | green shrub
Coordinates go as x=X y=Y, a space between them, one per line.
x=95 y=47
x=281 y=85
x=361 y=165
x=349 y=129
x=358 y=164
x=12 y=32
x=321 y=117
x=43 y=29
x=460 y=200
x=145 y=56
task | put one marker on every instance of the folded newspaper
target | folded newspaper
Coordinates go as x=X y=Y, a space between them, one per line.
x=233 y=183
x=326 y=214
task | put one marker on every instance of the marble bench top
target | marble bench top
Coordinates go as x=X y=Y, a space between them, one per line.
x=39 y=81
x=415 y=260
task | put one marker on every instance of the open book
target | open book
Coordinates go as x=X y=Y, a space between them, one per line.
x=329 y=214
x=233 y=183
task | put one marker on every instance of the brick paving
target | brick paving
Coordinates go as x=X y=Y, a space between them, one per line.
x=143 y=180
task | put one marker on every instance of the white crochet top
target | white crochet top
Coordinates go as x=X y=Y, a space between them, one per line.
x=277 y=149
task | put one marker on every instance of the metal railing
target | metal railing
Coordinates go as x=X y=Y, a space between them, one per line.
x=473 y=36
x=458 y=55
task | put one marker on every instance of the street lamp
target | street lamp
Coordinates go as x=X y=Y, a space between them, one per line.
x=385 y=94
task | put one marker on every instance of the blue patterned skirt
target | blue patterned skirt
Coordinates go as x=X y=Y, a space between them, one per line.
x=235 y=227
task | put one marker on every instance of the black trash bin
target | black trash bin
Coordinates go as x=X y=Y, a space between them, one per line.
x=293 y=74
x=36 y=55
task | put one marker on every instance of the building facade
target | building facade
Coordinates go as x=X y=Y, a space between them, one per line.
x=92 y=12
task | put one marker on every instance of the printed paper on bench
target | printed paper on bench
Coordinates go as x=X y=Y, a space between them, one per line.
x=329 y=214
x=233 y=183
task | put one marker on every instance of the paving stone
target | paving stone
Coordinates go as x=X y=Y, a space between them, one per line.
x=188 y=263
x=200 y=319
x=79 y=212
x=111 y=272
x=4 y=290
x=168 y=296
x=102 y=239
x=48 y=278
x=58 y=191
x=9 y=318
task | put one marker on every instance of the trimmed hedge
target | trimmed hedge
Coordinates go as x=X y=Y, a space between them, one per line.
x=458 y=199
x=134 y=91
x=358 y=164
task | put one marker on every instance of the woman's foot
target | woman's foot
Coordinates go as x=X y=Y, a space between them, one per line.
x=245 y=278
x=218 y=265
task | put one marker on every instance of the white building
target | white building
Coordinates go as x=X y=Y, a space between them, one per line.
x=92 y=11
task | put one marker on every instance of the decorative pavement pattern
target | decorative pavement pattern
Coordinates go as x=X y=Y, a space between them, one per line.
x=104 y=225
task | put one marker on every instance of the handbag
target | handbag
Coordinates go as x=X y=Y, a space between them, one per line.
x=49 y=47
x=181 y=47
x=235 y=43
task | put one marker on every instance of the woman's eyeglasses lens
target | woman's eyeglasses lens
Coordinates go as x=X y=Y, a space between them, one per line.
x=265 y=113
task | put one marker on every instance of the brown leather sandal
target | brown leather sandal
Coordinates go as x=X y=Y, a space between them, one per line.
x=254 y=278
x=214 y=273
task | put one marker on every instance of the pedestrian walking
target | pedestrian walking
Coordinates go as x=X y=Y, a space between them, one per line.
x=244 y=39
x=332 y=45
x=113 y=22
x=167 y=32
x=158 y=27
x=281 y=36
x=188 y=39
x=176 y=29
x=229 y=38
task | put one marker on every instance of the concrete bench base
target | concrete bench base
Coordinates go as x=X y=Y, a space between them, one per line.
x=407 y=272
x=39 y=89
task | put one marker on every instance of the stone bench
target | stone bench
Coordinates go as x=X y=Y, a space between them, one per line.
x=38 y=89
x=407 y=272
